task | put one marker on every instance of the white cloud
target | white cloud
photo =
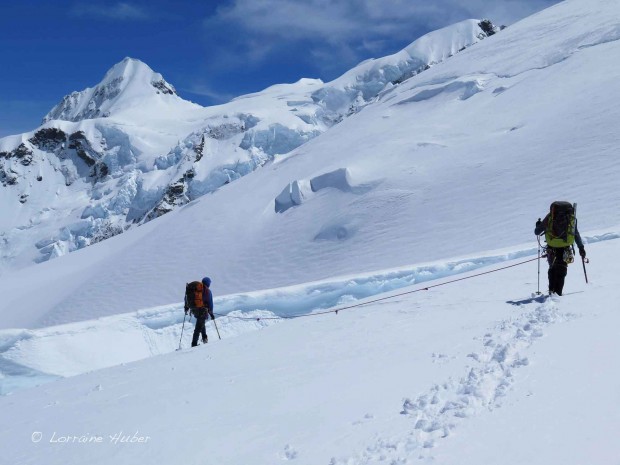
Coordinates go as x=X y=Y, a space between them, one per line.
x=344 y=30
x=290 y=19
x=118 y=11
x=204 y=90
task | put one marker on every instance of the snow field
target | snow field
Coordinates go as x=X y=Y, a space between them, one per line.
x=32 y=357
x=391 y=382
x=28 y=357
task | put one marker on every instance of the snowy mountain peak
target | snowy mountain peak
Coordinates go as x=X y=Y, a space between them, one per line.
x=134 y=70
x=126 y=83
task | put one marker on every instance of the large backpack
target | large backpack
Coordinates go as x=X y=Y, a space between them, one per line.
x=193 y=295
x=561 y=223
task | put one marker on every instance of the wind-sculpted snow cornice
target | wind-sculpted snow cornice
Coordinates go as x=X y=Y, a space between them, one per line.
x=370 y=78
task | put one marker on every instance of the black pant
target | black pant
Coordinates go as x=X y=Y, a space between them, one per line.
x=201 y=318
x=558 y=269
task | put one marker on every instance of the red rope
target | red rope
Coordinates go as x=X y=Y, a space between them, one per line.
x=382 y=298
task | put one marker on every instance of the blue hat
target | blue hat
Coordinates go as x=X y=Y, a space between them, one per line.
x=206 y=281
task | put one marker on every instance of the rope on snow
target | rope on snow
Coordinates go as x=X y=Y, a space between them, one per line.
x=380 y=298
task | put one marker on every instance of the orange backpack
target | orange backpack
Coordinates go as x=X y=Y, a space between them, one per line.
x=193 y=294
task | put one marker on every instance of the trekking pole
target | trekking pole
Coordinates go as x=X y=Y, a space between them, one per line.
x=218 y=331
x=538 y=288
x=539 y=256
x=584 y=260
x=182 y=328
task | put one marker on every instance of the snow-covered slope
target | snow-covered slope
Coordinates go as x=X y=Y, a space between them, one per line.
x=458 y=159
x=439 y=178
x=129 y=149
x=449 y=375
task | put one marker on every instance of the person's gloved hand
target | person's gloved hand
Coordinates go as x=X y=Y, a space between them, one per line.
x=582 y=251
x=186 y=309
x=539 y=223
x=213 y=317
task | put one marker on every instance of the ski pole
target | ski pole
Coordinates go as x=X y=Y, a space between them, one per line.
x=583 y=262
x=182 y=328
x=538 y=288
x=218 y=331
x=539 y=256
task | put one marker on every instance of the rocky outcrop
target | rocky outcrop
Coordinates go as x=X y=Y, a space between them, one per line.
x=7 y=179
x=174 y=196
x=49 y=139
x=200 y=148
x=22 y=153
x=79 y=143
x=164 y=87
x=489 y=28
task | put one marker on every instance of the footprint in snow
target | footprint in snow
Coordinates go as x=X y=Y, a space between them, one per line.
x=289 y=453
x=437 y=412
x=367 y=417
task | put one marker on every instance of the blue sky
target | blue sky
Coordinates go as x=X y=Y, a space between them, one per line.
x=209 y=50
